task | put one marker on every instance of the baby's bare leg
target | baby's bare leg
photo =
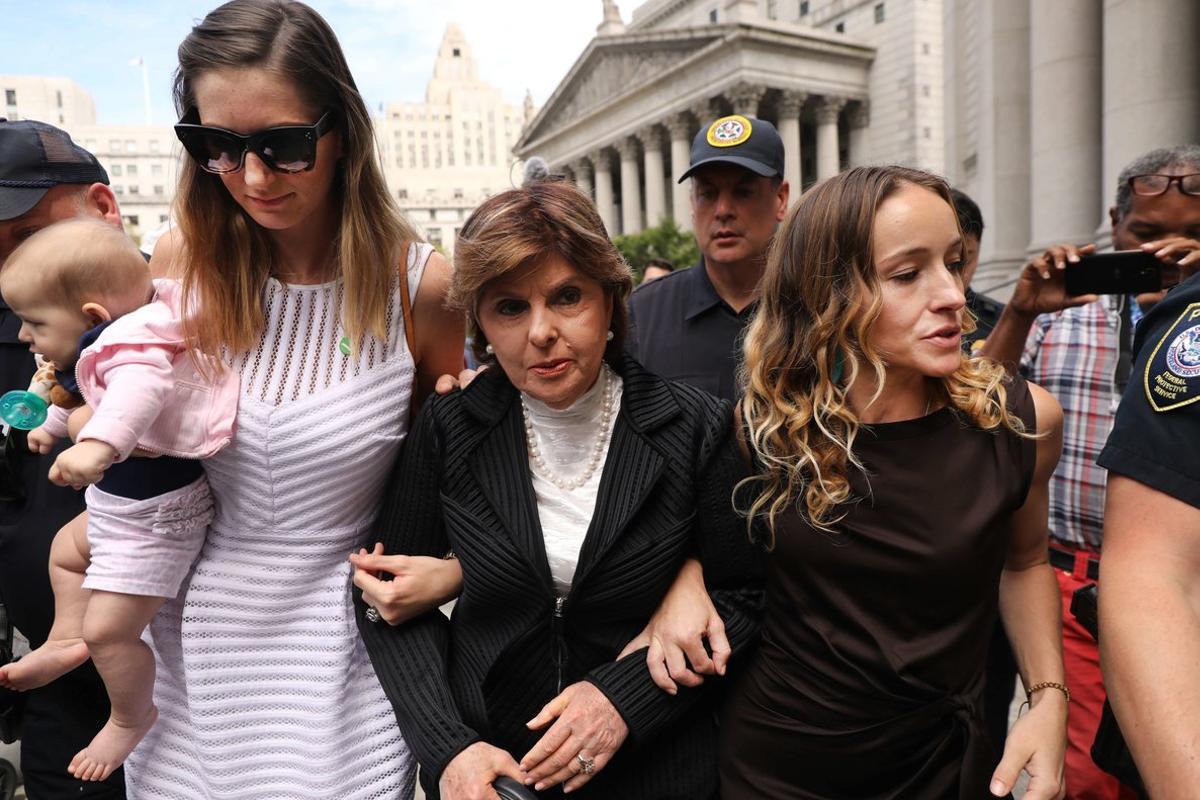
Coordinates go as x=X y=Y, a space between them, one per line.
x=64 y=650
x=112 y=629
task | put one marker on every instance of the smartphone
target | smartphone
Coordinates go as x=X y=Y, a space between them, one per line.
x=1123 y=272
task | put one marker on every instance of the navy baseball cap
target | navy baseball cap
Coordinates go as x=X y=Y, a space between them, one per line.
x=34 y=158
x=745 y=141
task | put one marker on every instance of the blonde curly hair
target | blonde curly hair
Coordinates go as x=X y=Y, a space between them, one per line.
x=809 y=342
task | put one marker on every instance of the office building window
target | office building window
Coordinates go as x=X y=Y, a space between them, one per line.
x=156 y=169
x=158 y=190
x=135 y=190
x=804 y=8
x=162 y=218
x=10 y=96
x=132 y=220
x=402 y=194
x=117 y=170
x=878 y=13
x=840 y=27
x=114 y=145
x=131 y=170
x=130 y=145
x=712 y=15
x=58 y=97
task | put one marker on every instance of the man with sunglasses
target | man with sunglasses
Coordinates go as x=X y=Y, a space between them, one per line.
x=1080 y=350
x=44 y=178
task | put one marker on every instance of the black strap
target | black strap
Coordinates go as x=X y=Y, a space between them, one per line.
x=1124 y=345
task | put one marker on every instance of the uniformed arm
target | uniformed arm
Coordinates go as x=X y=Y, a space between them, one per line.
x=439 y=334
x=1041 y=289
x=718 y=596
x=410 y=658
x=1150 y=630
x=1030 y=607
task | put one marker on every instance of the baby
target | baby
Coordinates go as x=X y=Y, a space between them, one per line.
x=87 y=303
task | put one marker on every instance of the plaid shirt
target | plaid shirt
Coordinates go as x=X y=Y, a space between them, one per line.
x=1072 y=354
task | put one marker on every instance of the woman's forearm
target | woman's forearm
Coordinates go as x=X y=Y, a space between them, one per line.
x=1031 y=610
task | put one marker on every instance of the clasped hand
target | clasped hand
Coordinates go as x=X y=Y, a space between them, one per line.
x=418 y=583
x=585 y=726
x=82 y=464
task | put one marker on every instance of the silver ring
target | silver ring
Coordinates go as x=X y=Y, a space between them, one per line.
x=372 y=614
x=586 y=765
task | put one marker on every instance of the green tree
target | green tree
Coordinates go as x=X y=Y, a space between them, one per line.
x=665 y=241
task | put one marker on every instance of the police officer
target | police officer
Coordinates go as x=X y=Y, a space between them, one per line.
x=1150 y=594
x=687 y=325
x=44 y=178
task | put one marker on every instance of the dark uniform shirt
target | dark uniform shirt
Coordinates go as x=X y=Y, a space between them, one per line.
x=987 y=311
x=681 y=329
x=1158 y=423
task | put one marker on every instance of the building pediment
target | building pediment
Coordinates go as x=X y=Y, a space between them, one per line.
x=613 y=66
x=623 y=83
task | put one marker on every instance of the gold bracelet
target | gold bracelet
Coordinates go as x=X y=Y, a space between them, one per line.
x=1037 y=687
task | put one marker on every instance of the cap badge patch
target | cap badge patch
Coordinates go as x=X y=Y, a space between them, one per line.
x=1172 y=375
x=729 y=131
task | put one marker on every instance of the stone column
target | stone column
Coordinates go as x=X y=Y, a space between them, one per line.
x=680 y=127
x=1151 y=82
x=860 y=118
x=788 y=109
x=656 y=179
x=583 y=177
x=1001 y=182
x=745 y=98
x=631 y=192
x=1064 y=118
x=706 y=112
x=827 y=136
x=604 y=191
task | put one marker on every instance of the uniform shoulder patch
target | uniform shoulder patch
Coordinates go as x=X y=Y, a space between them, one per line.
x=729 y=131
x=1172 y=377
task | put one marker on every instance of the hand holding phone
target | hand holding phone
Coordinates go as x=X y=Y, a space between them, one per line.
x=1123 y=272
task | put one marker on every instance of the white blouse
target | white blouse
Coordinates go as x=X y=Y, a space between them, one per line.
x=566 y=440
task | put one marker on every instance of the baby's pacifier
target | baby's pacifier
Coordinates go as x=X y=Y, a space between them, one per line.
x=22 y=409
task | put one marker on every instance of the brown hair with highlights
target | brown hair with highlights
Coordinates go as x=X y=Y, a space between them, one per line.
x=820 y=297
x=226 y=256
x=522 y=227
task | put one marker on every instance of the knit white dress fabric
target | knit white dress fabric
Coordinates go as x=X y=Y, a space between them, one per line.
x=264 y=688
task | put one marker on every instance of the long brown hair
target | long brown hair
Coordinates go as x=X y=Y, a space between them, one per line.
x=521 y=227
x=809 y=342
x=226 y=256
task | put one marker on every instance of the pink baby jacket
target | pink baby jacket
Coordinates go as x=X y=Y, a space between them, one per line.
x=145 y=391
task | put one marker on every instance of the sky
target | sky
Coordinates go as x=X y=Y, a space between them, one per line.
x=390 y=44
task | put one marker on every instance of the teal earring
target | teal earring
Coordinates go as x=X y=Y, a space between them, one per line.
x=839 y=367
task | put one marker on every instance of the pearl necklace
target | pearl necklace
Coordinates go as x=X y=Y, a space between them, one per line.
x=539 y=461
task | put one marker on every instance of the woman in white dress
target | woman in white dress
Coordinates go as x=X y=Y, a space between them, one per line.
x=305 y=275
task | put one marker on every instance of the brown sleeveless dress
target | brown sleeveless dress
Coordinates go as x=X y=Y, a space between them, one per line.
x=867 y=681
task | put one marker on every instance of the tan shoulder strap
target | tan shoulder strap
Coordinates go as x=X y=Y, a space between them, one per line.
x=406 y=304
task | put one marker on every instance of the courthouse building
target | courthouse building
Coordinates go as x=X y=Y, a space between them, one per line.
x=444 y=156
x=1030 y=106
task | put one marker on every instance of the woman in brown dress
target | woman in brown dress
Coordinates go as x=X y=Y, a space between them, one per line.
x=902 y=492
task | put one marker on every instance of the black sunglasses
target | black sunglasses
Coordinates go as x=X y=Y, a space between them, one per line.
x=1152 y=185
x=287 y=148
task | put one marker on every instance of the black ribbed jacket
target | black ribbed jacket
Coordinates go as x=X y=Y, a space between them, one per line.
x=462 y=482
